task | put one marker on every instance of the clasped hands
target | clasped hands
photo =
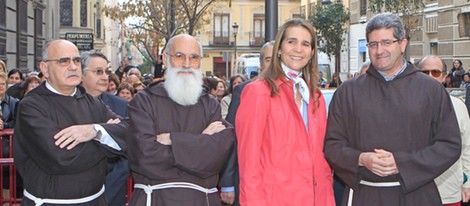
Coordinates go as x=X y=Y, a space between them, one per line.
x=214 y=127
x=76 y=134
x=379 y=162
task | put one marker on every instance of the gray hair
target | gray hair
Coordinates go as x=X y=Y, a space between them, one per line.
x=45 y=53
x=262 y=53
x=364 y=67
x=386 y=21
x=420 y=63
x=172 y=40
x=86 y=58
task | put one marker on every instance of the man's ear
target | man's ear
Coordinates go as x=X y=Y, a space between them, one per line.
x=164 y=56
x=44 y=69
x=444 y=76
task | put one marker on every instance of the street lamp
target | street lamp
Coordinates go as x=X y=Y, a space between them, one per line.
x=235 y=32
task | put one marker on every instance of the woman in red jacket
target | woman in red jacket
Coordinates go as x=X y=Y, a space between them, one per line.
x=281 y=126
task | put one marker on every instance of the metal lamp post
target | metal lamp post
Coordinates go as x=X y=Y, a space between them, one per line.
x=235 y=32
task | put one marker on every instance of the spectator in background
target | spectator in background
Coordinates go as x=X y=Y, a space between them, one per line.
x=122 y=69
x=3 y=67
x=113 y=84
x=148 y=79
x=221 y=88
x=225 y=102
x=7 y=105
x=364 y=67
x=216 y=87
x=131 y=79
x=30 y=83
x=230 y=180
x=158 y=66
x=134 y=71
x=335 y=81
x=280 y=127
x=456 y=73
x=138 y=86
x=450 y=185
x=95 y=81
x=7 y=120
x=465 y=81
x=447 y=82
x=126 y=91
x=14 y=76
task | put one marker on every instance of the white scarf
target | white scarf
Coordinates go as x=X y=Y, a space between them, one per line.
x=297 y=78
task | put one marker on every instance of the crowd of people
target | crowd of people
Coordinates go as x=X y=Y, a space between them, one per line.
x=81 y=129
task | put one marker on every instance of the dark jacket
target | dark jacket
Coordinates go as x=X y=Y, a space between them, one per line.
x=9 y=111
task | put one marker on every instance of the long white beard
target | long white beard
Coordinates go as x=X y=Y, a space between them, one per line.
x=184 y=89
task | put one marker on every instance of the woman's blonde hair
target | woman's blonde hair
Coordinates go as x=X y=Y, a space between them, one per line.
x=3 y=67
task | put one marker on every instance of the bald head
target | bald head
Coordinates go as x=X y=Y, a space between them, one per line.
x=183 y=51
x=434 y=67
x=55 y=47
x=266 y=53
x=182 y=39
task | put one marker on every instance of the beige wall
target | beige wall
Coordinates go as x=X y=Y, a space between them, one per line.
x=241 y=12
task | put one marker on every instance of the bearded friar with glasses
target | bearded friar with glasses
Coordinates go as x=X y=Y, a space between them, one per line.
x=178 y=141
x=64 y=136
x=393 y=130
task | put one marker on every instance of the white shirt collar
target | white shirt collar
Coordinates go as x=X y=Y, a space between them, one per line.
x=48 y=86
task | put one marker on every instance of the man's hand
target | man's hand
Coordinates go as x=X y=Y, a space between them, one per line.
x=379 y=162
x=227 y=197
x=74 y=135
x=214 y=127
x=465 y=194
x=1 y=124
x=113 y=121
x=164 y=138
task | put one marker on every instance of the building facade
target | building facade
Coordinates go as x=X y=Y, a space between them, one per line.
x=219 y=41
x=22 y=33
x=26 y=25
x=443 y=29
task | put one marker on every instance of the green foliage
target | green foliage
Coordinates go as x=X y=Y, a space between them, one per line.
x=409 y=11
x=146 y=66
x=330 y=21
x=403 y=7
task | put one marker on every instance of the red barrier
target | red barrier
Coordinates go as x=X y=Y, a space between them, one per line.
x=8 y=195
x=130 y=188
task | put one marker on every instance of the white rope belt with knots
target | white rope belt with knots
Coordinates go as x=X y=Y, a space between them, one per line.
x=39 y=201
x=150 y=188
x=371 y=184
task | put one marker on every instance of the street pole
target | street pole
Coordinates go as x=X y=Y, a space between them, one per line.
x=271 y=23
x=235 y=32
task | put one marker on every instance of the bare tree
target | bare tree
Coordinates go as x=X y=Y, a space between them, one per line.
x=156 y=20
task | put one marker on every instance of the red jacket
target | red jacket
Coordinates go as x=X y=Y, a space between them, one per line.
x=280 y=163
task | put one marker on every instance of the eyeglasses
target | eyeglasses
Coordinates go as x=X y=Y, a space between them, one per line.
x=384 y=43
x=65 y=61
x=179 y=58
x=98 y=72
x=434 y=72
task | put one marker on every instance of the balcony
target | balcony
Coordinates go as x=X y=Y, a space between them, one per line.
x=256 y=38
x=220 y=41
